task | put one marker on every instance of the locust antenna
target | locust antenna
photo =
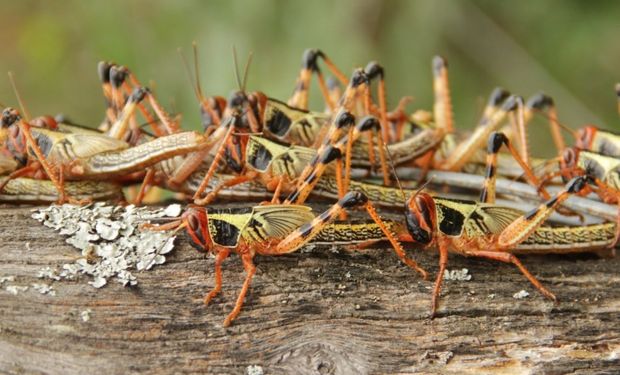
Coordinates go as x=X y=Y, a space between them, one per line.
x=236 y=66
x=196 y=70
x=424 y=185
x=189 y=75
x=241 y=84
x=564 y=127
x=22 y=105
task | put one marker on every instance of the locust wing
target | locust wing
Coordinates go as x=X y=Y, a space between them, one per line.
x=58 y=146
x=491 y=219
x=275 y=221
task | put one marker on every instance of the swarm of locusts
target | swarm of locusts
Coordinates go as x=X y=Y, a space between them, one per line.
x=354 y=151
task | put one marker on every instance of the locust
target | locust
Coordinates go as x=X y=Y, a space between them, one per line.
x=466 y=227
x=59 y=156
x=488 y=231
x=266 y=230
x=275 y=167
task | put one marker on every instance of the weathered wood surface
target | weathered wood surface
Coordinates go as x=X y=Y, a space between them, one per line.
x=319 y=312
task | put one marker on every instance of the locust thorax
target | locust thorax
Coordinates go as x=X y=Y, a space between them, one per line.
x=421 y=218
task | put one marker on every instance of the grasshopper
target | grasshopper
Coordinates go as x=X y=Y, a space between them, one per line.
x=498 y=233
x=265 y=230
x=78 y=156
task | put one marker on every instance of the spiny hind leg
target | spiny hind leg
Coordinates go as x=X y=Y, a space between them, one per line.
x=306 y=232
x=510 y=258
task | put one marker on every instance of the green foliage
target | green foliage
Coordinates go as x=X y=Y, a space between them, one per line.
x=565 y=48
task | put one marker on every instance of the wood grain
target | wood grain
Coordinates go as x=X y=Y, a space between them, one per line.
x=317 y=312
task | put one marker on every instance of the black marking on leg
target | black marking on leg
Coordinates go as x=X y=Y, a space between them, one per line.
x=305 y=230
x=138 y=94
x=353 y=199
x=483 y=195
x=374 y=70
x=495 y=142
x=118 y=75
x=540 y=101
x=490 y=172
x=327 y=216
x=358 y=78
x=331 y=153
x=293 y=196
x=313 y=176
x=577 y=184
x=367 y=123
x=439 y=63
x=510 y=104
x=497 y=97
x=344 y=119
x=310 y=59
x=103 y=68
x=530 y=215
x=551 y=202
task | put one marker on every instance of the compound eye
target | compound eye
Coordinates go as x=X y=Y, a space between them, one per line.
x=585 y=137
x=423 y=209
x=569 y=157
x=193 y=222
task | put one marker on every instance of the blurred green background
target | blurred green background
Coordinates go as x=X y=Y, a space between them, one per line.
x=566 y=48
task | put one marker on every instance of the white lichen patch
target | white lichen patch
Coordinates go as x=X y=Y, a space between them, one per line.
x=16 y=289
x=48 y=273
x=4 y=279
x=254 y=370
x=85 y=315
x=457 y=275
x=110 y=240
x=521 y=294
x=44 y=289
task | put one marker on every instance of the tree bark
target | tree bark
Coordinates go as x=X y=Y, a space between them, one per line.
x=315 y=312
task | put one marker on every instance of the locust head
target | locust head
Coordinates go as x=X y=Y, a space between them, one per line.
x=421 y=218
x=585 y=137
x=196 y=223
x=569 y=164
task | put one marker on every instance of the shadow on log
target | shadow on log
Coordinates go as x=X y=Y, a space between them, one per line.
x=318 y=312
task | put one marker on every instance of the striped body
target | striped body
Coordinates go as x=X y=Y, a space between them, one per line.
x=139 y=157
x=27 y=190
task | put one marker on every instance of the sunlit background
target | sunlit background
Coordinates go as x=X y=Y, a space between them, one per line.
x=568 y=49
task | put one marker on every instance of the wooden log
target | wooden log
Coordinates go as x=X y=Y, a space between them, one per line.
x=316 y=312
